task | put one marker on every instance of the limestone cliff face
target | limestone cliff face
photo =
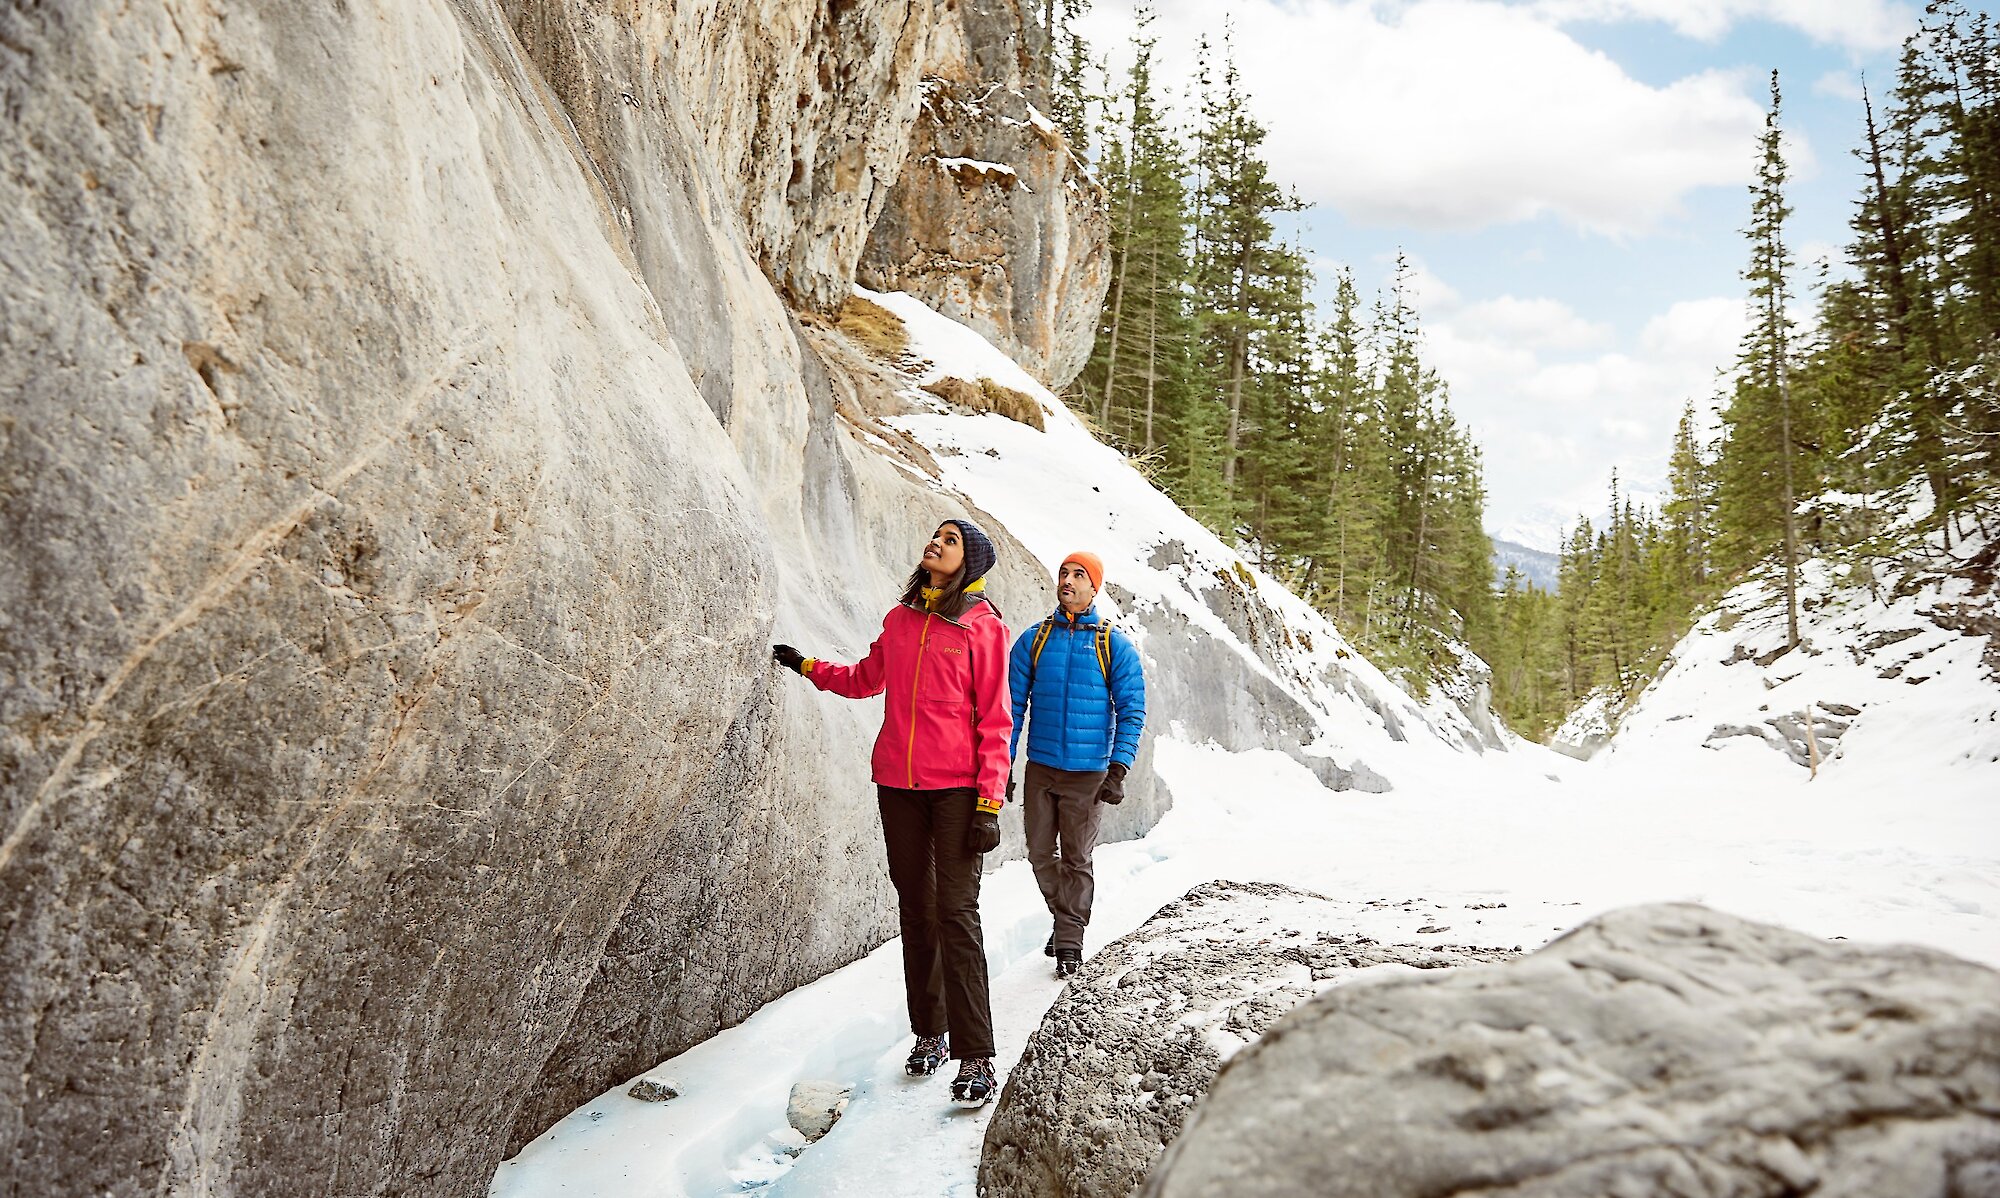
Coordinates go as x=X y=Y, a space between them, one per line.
x=801 y=110
x=993 y=221
x=410 y=456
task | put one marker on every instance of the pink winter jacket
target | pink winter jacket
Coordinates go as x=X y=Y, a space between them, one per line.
x=947 y=718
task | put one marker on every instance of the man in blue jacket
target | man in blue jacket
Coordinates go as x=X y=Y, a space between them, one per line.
x=1080 y=693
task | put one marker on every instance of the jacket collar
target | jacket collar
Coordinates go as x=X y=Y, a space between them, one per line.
x=1087 y=619
x=975 y=593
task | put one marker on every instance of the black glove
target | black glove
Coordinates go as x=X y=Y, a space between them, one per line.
x=1010 y=788
x=1113 y=789
x=983 y=834
x=789 y=658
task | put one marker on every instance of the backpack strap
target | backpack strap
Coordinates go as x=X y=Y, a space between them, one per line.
x=1103 y=639
x=1035 y=653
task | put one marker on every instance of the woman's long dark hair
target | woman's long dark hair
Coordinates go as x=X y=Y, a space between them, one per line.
x=953 y=602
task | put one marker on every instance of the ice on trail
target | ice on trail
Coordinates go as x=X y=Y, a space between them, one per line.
x=1896 y=839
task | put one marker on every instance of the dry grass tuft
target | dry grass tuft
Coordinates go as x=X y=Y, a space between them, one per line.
x=989 y=396
x=1017 y=406
x=873 y=328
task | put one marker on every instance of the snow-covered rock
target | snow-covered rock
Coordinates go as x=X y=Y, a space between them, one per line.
x=1108 y=1078
x=1654 y=1050
x=1589 y=727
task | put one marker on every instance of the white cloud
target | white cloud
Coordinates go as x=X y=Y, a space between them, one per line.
x=1534 y=323
x=1459 y=114
x=1840 y=85
x=1853 y=24
x=1704 y=330
x=1557 y=400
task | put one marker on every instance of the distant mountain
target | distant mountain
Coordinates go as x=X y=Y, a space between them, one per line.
x=1545 y=526
x=1538 y=566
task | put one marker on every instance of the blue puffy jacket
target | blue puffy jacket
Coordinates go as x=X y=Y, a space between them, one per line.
x=1074 y=720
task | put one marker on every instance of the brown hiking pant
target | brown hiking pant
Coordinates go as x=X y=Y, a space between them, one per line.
x=937 y=895
x=1061 y=811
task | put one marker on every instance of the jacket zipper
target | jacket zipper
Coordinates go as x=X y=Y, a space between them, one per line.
x=917 y=675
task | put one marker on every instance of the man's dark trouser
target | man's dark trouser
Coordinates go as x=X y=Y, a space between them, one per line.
x=1061 y=810
x=937 y=893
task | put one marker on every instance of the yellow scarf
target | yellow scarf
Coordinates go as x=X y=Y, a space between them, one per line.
x=933 y=594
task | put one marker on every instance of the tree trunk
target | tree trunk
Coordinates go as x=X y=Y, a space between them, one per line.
x=1784 y=379
x=1117 y=303
x=1152 y=340
x=1239 y=353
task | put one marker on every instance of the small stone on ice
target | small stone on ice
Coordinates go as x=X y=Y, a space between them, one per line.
x=648 y=1090
x=815 y=1107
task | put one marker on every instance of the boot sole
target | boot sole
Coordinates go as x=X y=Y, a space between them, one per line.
x=971 y=1103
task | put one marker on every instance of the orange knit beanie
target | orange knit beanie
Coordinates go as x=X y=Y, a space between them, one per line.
x=1092 y=565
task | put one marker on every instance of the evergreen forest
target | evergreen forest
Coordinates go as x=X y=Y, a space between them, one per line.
x=1318 y=442
x=1323 y=445
x=1869 y=438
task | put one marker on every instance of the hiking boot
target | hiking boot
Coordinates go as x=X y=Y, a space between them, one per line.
x=926 y=1055
x=1068 y=961
x=975 y=1083
x=1049 y=949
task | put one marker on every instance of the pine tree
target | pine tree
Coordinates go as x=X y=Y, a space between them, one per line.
x=1241 y=272
x=1067 y=69
x=1760 y=479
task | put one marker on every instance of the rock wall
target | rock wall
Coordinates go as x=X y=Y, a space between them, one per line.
x=409 y=460
x=994 y=221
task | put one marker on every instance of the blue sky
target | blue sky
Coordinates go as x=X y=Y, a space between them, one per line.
x=1568 y=177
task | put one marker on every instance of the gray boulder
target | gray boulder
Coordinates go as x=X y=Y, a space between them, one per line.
x=1657 y=1050
x=1108 y=1078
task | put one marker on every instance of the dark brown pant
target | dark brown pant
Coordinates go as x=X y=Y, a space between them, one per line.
x=937 y=895
x=1061 y=811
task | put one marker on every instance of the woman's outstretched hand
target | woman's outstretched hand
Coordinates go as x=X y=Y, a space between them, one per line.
x=983 y=834
x=789 y=658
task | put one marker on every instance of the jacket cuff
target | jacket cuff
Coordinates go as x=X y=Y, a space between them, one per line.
x=806 y=666
x=989 y=804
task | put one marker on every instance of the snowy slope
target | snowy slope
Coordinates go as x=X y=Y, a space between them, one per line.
x=1899 y=682
x=1062 y=489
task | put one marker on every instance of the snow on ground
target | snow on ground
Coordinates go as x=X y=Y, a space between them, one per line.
x=1494 y=853
x=1896 y=839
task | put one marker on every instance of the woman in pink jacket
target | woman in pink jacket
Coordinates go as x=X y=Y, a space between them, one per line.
x=940 y=768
